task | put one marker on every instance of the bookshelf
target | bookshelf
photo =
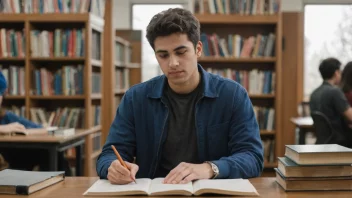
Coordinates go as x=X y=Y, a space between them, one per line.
x=125 y=70
x=52 y=56
x=242 y=42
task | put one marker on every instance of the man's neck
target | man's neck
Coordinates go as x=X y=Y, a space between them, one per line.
x=187 y=88
x=331 y=82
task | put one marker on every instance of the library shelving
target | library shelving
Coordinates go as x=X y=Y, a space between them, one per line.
x=125 y=70
x=51 y=55
x=242 y=41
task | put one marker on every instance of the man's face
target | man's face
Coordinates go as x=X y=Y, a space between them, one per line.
x=177 y=57
x=337 y=77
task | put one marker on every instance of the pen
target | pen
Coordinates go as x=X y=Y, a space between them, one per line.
x=121 y=161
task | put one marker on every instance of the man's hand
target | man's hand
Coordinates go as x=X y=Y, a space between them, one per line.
x=118 y=174
x=13 y=127
x=185 y=172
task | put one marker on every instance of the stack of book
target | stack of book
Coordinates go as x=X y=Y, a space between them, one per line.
x=315 y=167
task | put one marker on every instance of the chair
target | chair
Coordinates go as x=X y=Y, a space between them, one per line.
x=323 y=128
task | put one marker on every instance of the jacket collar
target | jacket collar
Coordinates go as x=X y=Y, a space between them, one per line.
x=208 y=81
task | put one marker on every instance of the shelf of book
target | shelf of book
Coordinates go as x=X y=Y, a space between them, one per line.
x=237 y=60
x=125 y=70
x=11 y=59
x=243 y=43
x=237 y=19
x=50 y=61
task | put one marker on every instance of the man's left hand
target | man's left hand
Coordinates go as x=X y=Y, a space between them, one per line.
x=186 y=172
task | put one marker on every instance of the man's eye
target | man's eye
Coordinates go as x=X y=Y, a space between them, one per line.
x=163 y=55
x=181 y=52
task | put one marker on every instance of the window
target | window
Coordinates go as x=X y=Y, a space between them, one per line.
x=327 y=33
x=141 y=15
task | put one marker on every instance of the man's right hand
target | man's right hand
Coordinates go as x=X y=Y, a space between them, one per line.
x=13 y=127
x=118 y=174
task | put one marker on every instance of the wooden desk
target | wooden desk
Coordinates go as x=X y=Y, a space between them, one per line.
x=55 y=145
x=74 y=187
x=304 y=125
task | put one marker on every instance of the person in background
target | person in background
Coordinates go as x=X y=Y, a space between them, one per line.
x=23 y=159
x=329 y=99
x=346 y=81
x=8 y=119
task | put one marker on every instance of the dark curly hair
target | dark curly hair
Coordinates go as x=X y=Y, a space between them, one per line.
x=346 y=78
x=173 y=20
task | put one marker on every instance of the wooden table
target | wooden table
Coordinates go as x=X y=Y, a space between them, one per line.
x=304 y=125
x=74 y=187
x=56 y=145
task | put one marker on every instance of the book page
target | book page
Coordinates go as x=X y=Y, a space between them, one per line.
x=104 y=187
x=224 y=186
x=158 y=188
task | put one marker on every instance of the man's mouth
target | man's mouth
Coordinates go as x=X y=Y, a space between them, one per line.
x=175 y=72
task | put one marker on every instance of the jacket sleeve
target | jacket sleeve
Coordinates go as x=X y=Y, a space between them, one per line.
x=245 y=146
x=11 y=118
x=121 y=135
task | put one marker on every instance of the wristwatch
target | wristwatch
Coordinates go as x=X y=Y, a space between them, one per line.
x=215 y=169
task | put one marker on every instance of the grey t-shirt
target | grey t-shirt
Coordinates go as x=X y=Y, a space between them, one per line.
x=332 y=102
x=181 y=140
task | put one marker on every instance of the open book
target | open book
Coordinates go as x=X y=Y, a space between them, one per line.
x=155 y=187
x=55 y=131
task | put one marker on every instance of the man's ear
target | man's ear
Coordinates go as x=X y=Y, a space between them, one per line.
x=199 y=49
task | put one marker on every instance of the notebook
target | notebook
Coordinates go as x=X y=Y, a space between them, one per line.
x=155 y=187
x=319 y=154
x=27 y=182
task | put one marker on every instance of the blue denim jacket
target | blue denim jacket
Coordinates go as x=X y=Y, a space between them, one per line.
x=227 y=129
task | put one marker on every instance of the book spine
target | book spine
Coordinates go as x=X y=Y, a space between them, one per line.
x=22 y=190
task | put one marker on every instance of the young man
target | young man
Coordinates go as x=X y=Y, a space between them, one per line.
x=186 y=124
x=329 y=99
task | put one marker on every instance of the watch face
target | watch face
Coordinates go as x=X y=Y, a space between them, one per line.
x=215 y=168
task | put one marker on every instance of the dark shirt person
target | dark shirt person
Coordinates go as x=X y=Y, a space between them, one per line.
x=329 y=99
x=186 y=124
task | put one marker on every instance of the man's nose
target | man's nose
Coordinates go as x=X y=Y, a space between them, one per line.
x=173 y=62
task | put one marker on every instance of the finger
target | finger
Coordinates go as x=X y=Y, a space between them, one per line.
x=174 y=172
x=20 y=128
x=134 y=169
x=189 y=178
x=121 y=169
x=116 y=180
x=179 y=177
x=116 y=177
x=113 y=175
x=170 y=175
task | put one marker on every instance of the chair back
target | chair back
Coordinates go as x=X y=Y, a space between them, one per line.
x=323 y=128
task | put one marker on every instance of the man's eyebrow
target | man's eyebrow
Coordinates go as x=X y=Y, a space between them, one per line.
x=180 y=47
x=177 y=48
